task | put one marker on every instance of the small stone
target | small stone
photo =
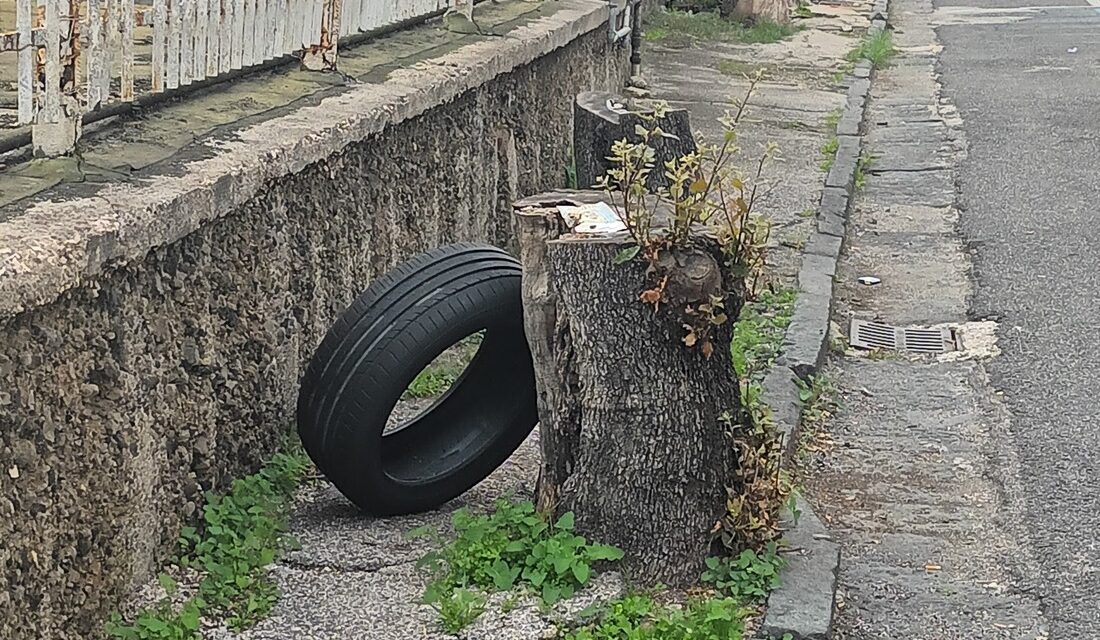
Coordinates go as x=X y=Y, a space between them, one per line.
x=13 y=472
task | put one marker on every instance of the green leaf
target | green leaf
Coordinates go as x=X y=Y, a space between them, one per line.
x=550 y=593
x=626 y=254
x=189 y=618
x=605 y=552
x=581 y=572
x=167 y=583
x=565 y=522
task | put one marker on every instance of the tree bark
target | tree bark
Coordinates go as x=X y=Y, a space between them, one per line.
x=633 y=436
x=596 y=127
x=778 y=11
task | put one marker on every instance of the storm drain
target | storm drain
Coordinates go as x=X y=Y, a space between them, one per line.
x=876 y=335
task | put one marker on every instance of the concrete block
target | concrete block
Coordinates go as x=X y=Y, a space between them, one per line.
x=834 y=202
x=802 y=607
x=842 y=174
x=849 y=123
x=822 y=244
x=780 y=393
x=831 y=224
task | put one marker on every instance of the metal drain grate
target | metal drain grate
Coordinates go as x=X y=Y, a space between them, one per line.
x=876 y=335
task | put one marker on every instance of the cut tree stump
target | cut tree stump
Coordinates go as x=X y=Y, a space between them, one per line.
x=777 y=11
x=634 y=425
x=596 y=126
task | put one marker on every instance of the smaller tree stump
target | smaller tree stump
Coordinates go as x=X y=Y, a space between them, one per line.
x=596 y=127
x=634 y=425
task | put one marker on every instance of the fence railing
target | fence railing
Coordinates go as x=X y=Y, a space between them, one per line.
x=73 y=56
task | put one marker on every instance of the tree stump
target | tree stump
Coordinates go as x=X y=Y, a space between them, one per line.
x=777 y=11
x=634 y=425
x=596 y=126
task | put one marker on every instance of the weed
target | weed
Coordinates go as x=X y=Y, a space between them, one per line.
x=682 y=28
x=459 y=608
x=842 y=71
x=862 y=164
x=160 y=623
x=803 y=10
x=766 y=32
x=748 y=577
x=442 y=372
x=638 y=617
x=571 y=171
x=241 y=533
x=828 y=153
x=878 y=48
x=433 y=380
x=833 y=119
x=758 y=334
x=730 y=67
x=819 y=403
x=508 y=547
x=806 y=213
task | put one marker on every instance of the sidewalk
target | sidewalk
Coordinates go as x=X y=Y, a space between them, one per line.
x=914 y=474
x=355 y=576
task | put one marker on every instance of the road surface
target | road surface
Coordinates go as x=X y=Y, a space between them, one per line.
x=1026 y=80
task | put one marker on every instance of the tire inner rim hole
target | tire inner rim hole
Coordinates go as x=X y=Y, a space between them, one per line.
x=433 y=382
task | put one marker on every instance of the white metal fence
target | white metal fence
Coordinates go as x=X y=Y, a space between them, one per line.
x=73 y=56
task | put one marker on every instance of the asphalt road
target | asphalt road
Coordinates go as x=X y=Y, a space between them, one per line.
x=1027 y=84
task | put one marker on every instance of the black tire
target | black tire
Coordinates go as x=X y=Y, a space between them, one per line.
x=378 y=346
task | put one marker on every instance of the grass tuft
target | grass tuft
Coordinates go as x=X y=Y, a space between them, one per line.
x=878 y=48
x=683 y=28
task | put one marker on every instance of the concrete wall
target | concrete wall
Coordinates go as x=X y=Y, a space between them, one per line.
x=154 y=377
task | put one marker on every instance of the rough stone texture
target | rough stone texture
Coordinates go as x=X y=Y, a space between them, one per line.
x=166 y=372
x=842 y=173
x=781 y=394
x=822 y=244
x=802 y=607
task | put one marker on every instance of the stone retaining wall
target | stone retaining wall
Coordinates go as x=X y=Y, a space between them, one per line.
x=151 y=379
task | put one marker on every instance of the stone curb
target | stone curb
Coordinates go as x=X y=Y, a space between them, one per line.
x=802 y=607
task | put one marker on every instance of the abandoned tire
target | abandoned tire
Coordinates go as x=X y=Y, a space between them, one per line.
x=393 y=330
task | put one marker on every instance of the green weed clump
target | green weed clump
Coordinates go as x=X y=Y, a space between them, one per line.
x=878 y=48
x=512 y=546
x=241 y=533
x=682 y=28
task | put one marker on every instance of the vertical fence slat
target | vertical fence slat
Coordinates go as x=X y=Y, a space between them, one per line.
x=279 y=35
x=51 y=109
x=349 y=16
x=258 y=32
x=175 y=45
x=249 y=33
x=23 y=10
x=317 y=21
x=236 y=48
x=225 y=36
x=160 y=38
x=305 y=14
x=187 y=41
x=111 y=44
x=202 y=19
x=369 y=13
x=126 y=76
x=269 y=30
x=213 y=36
